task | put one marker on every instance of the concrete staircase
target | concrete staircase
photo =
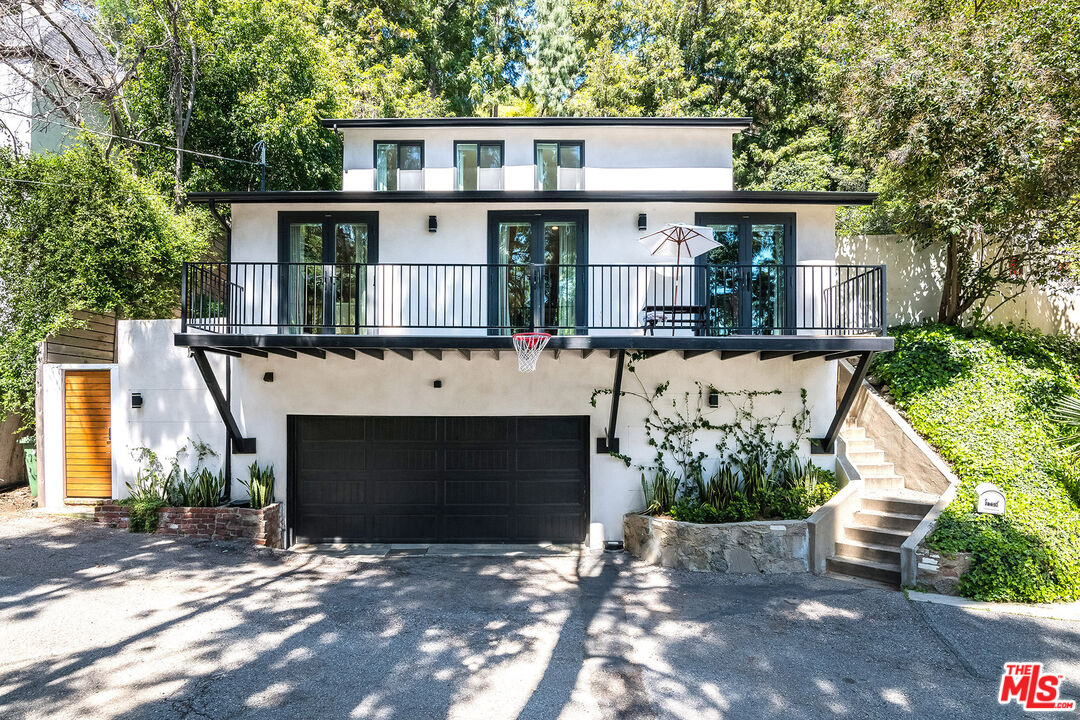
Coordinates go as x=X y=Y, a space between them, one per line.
x=886 y=515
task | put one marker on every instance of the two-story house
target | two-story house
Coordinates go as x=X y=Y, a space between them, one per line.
x=360 y=340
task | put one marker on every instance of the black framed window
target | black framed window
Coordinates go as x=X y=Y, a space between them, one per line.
x=560 y=164
x=323 y=275
x=538 y=278
x=399 y=165
x=748 y=285
x=479 y=165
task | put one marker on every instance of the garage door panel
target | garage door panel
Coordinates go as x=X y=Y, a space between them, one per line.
x=442 y=479
x=383 y=458
x=477 y=492
x=332 y=455
x=548 y=458
x=477 y=459
x=389 y=491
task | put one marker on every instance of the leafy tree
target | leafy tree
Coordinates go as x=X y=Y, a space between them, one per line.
x=553 y=58
x=79 y=232
x=967 y=115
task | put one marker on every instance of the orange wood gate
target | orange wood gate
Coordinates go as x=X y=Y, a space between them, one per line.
x=87 y=441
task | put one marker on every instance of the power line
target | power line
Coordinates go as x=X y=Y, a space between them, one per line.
x=38 y=182
x=48 y=121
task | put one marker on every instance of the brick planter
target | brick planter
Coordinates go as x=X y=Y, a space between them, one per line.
x=263 y=527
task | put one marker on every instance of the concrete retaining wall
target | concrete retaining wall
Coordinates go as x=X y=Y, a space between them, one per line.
x=768 y=546
x=263 y=526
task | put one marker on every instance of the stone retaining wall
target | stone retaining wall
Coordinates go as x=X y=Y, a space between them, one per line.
x=263 y=526
x=940 y=572
x=767 y=546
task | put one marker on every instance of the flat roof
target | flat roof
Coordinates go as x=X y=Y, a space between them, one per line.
x=537 y=196
x=738 y=123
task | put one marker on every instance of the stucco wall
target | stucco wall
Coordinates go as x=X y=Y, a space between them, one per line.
x=914 y=279
x=616 y=158
x=178 y=407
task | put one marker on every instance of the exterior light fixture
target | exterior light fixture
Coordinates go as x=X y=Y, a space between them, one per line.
x=437 y=384
x=432 y=223
x=136 y=400
x=642 y=221
x=268 y=377
x=714 y=398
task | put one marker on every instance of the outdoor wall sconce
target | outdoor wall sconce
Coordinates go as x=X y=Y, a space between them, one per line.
x=432 y=223
x=437 y=384
x=268 y=377
x=642 y=221
x=136 y=400
x=714 y=398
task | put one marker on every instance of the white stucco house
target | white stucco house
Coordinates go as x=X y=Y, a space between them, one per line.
x=359 y=340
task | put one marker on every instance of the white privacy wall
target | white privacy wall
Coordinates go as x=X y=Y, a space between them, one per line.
x=177 y=407
x=616 y=158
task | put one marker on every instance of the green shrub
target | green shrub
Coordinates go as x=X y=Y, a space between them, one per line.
x=985 y=399
x=201 y=488
x=738 y=510
x=689 y=510
x=260 y=485
x=660 y=493
x=143 y=515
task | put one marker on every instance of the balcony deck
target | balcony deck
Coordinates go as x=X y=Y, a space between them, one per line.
x=800 y=311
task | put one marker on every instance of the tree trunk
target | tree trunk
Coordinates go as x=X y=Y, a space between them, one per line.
x=949 y=308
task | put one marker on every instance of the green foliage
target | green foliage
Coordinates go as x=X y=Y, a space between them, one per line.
x=143 y=516
x=155 y=487
x=966 y=115
x=1067 y=415
x=80 y=232
x=260 y=485
x=686 y=510
x=201 y=488
x=985 y=399
x=659 y=493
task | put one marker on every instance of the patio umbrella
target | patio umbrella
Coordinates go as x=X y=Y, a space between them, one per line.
x=678 y=239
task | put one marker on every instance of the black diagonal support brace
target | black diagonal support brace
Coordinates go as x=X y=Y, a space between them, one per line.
x=241 y=445
x=827 y=444
x=609 y=443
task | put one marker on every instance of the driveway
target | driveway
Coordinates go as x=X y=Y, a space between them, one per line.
x=98 y=623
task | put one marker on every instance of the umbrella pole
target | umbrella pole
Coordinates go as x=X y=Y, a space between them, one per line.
x=678 y=267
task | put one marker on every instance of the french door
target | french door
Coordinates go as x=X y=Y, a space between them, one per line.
x=323 y=275
x=537 y=277
x=748 y=283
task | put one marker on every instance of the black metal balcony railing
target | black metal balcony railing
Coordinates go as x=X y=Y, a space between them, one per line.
x=567 y=299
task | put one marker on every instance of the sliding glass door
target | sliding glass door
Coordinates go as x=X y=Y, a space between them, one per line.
x=747 y=288
x=538 y=277
x=323 y=277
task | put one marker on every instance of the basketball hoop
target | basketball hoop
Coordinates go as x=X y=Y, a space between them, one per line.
x=528 y=346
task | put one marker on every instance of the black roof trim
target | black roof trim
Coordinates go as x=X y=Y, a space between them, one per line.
x=722 y=122
x=535 y=196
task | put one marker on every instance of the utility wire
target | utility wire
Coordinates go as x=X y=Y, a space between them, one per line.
x=48 y=121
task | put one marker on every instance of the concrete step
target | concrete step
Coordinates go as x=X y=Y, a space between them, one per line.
x=876 y=535
x=883 y=483
x=856 y=446
x=882 y=572
x=866 y=457
x=879 y=469
x=853 y=432
x=902 y=506
x=892 y=521
x=868 y=551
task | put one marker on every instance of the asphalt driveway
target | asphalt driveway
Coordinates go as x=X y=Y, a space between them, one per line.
x=98 y=623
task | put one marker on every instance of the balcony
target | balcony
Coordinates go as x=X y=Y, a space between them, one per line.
x=782 y=309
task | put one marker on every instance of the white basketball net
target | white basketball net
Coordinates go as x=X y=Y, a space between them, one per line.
x=528 y=347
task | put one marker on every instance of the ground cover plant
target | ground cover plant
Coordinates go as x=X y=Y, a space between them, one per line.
x=986 y=399
x=155 y=487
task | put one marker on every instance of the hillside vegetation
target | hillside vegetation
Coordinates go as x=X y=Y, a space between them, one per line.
x=983 y=399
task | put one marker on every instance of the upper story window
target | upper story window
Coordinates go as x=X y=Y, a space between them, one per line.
x=560 y=165
x=479 y=165
x=399 y=165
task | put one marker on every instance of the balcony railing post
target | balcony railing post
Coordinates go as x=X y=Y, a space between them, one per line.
x=882 y=308
x=183 y=297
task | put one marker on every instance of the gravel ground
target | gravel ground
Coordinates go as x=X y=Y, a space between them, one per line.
x=98 y=623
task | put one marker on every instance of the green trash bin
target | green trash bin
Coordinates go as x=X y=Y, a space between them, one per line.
x=29 y=446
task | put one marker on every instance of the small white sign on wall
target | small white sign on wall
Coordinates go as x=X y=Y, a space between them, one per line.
x=991 y=499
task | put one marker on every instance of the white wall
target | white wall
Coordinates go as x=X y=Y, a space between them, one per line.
x=616 y=158
x=16 y=106
x=176 y=404
x=914 y=280
x=178 y=407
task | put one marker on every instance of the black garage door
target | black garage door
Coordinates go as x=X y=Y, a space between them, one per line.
x=438 y=479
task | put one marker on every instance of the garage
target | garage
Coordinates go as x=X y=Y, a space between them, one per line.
x=438 y=479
